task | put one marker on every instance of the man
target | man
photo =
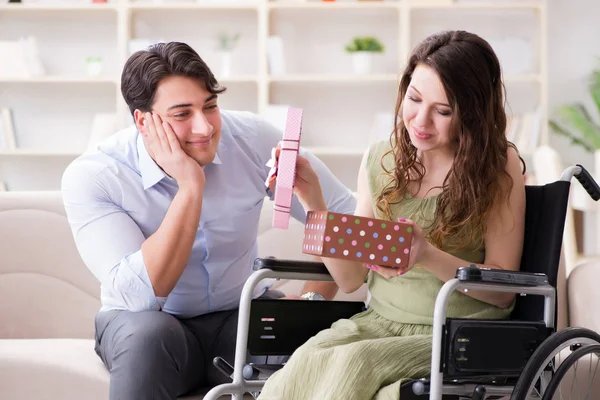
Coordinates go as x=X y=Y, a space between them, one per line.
x=165 y=215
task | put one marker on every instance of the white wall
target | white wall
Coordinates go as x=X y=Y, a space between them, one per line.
x=574 y=50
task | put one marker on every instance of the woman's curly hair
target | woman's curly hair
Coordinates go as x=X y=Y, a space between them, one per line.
x=472 y=79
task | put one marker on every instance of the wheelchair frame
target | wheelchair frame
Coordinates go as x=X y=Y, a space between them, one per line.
x=437 y=388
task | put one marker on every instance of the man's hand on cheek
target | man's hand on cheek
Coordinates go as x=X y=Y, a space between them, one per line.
x=165 y=149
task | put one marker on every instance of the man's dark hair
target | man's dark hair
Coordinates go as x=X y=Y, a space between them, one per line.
x=144 y=70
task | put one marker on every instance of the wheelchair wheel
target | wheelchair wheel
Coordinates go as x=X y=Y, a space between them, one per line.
x=541 y=367
x=572 y=384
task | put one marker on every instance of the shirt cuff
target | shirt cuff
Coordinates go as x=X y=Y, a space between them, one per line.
x=133 y=284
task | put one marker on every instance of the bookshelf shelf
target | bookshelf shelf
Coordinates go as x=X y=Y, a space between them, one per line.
x=479 y=5
x=327 y=6
x=39 y=153
x=23 y=7
x=239 y=79
x=315 y=74
x=193 y=6
x=61 y=79
x=333 y=78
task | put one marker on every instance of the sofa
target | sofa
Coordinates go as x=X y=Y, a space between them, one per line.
x=49 y=298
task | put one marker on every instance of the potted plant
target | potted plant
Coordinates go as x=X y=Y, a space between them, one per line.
x=576 y=123
x=227 y=43
x=362 y=49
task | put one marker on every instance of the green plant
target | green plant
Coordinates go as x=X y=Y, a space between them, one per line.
x=227 y=42
x=576 y=123
x=365 y=43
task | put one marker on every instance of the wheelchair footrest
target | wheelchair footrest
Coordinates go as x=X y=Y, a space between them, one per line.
x=490 y=348
x=223 y=366
x=457 y=389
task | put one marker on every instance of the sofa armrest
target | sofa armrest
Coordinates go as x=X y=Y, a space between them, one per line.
x=582 y=290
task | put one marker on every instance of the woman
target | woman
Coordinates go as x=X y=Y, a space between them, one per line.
x=449 y=170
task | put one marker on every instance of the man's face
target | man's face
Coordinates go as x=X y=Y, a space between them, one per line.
x=193 y=113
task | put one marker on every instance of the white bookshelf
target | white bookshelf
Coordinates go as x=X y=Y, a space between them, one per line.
x=53 y=113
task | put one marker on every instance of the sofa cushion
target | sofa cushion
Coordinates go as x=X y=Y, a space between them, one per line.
x=584 y=301
x=49 y=291
x=39 y=369
x=50 y=369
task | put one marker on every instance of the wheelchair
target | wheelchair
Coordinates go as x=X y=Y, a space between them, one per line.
x=473 y=359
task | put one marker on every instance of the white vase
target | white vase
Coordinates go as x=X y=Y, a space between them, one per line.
x=94 y=68
x=361 y=62
x=225 y=63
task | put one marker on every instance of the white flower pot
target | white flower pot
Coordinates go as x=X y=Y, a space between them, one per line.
x=94 y=68
x=361 y=62
x=225 y=63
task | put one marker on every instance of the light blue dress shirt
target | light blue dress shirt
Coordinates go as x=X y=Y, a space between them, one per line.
x=116 y=196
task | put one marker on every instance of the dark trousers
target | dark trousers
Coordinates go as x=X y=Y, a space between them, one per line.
x=155 y=355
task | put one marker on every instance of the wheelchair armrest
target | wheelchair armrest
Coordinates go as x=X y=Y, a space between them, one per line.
x=474 y=274
x=475 y=278
x=279 y=265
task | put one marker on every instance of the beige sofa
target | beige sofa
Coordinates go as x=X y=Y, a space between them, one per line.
x=48 y=300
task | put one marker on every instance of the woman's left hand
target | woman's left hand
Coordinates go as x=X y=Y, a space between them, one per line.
x=417 y=250
x=307 y=186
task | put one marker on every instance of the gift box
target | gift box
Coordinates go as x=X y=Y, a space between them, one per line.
x=285 y=168
x=348 y=237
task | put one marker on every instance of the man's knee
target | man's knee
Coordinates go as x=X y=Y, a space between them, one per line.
x=150 y=336
x=150 y=354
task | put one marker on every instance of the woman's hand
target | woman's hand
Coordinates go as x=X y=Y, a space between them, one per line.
x=418 y=249
x=306 y=184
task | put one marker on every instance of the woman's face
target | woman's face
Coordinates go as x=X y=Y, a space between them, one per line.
x=426 y=112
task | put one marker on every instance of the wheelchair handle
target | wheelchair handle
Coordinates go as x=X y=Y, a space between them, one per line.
x=588 y=183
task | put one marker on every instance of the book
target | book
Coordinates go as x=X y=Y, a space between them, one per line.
x=275 y=55
x=103 y=126
x=524 y=130
x=8 y=139
x=20 y=58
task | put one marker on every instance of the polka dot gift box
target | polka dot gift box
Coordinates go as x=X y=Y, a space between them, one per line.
x=348 y=237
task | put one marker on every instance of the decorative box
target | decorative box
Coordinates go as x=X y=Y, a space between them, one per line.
x=348 y=237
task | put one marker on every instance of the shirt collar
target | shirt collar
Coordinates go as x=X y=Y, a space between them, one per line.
x=150 y=171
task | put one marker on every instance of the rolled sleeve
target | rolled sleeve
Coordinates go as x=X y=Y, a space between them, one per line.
x=131 y=283
x=108 y=240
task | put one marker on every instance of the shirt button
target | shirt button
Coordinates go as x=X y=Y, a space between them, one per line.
x=212 y=289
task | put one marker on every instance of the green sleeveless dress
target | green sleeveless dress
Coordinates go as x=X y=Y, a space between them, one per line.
x=371 y=354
